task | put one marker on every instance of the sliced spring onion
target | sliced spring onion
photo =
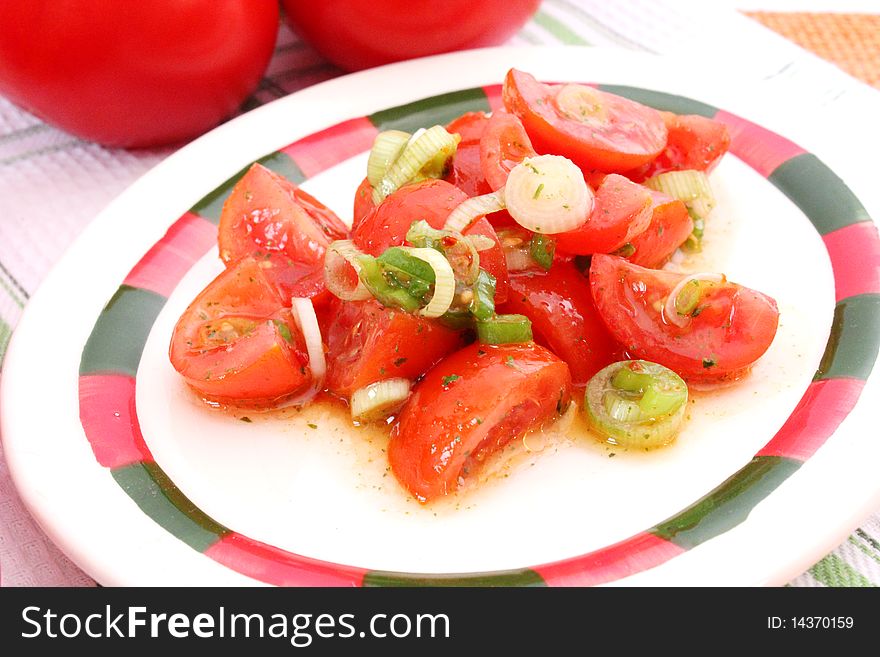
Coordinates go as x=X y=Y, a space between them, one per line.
x=387 y=147
x=467 y=212
x=304 y=314
x=636 y=403
x=458 y=249
x=406 y=271
x=692 y=187
x=389 y=293
x=482 y=305
x=684 y=298
x=515 y=244
x=444 y=280
x=379 y=400
x=419 y=158
x=505 y=329
x=339 y=261
x=582 y=103
x=548 y=194
x=542 y=249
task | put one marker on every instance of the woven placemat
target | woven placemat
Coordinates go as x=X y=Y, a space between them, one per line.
x=851 y=41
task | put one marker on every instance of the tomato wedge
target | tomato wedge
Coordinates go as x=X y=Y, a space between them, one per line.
x=694 y=142
x=622 y=209
x=503 y=145
x=727 y=329
x=367 y=342
x=266 y=213
x=468 y=407
x=594 y=129
x=237 y=343
x=464 y=170
x=564 y=319
x=669 y=228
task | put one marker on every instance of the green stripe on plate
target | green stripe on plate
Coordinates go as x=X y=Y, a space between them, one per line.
x=121 y=331
x=834 y=571
x=437 y=110
x=729 y=504
x=212 y=203
x=854 y=341
x=661 y=101
x=523 y=577
x=158 y=497
x=819 y=193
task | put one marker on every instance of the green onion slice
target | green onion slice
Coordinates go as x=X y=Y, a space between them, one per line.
x=460 y=251
x=685 y=297
x=342 y=269
x=636 y=403
x=548 y=194
x=542 y=249
x=378 y=400
x=444 y=280
x=424 y=156
x=387 y=147
x=467 y=212
x=693 y=188
x=505 y=329
x=482 y=305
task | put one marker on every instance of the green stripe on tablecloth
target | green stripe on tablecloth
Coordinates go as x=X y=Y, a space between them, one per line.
x=854 y=341
x=661 y=101
x=212 y=203
x=161 y=500
x=559 y=29
x=820 y=194
x=523 y=577
x=864 y=549
x=437 y=110
x=834 y=571
x=5 y=334
x=729 y=504
x=121 y=331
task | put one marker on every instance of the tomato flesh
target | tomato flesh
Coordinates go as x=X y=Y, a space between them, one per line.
x=694 y=142
x=465 y=171
x=469 y=406
x=503 y=145
x=733 y=327
x=610 y=133
x=669 y=228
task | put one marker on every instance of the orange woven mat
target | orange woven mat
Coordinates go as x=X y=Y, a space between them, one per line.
x=851 y=41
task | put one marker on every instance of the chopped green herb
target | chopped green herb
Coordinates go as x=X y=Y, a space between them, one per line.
x=312 y=425
x=245 y=418
x=538 y=191
x=709 y=362
x=283 y=331
x=446 y=380
x=399 y=361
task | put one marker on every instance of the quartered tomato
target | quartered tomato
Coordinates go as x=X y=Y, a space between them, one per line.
x=724 y=329
x=595 y=129
x=237 y=342
x=363 y=203
x=669 y=228
x=431 y=201
x=564 y=318
x=367 y=342
x=266 y=213
x=622 y=209
x=464 y=170
x=468 y=407
x=503 y=145
x=694 y=142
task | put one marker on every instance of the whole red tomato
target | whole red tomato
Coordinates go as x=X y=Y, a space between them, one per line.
x=134 y=73
x=357 y=34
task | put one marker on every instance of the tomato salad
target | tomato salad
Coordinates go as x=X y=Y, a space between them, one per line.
x=500 y=272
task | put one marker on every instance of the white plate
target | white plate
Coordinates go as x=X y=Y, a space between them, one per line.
x=278 y=501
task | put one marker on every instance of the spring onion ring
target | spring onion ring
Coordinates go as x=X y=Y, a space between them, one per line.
x=684 y=297
x=378 y=400
x=340 y=255
x=548 y=194
x=467 y=212
x=444 y=280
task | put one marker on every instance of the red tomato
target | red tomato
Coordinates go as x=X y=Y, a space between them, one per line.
x=597 y=130
x=355 y=34
x=237 y=343
x=367 y=342
x=669 y=228
x=469 y=406
x=503 y=145
x=564 y=319
x=266 y=213
x=694 y=142
x=464 y=171
x=621 y=210
x=732 y=328
x=134 y=74
x=432 y=201
x=363 y=203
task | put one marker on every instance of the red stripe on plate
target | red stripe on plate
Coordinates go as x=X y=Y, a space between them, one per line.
x=817 y=416
x=322 y=150
x=633 y=555
x=855 y=257
x=161 y=269
x=756 y=146
x=275 y=566
x=109 y=418
x=493 y=95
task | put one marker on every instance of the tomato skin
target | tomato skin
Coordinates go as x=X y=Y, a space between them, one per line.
x=363 y=203
x=670 y=226
x=465 y=171
x=735 y=327
x=354 y=34
x=256 y=368
x=367 y=342
x=564 y=318
x=266 y=213
x=694 y=142
x=469 y=406
x=432 y=201
x=134 y=74
x=622 y=209
x=503 y=145
x=630 y=135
